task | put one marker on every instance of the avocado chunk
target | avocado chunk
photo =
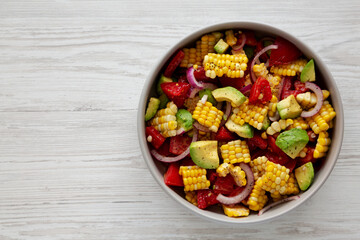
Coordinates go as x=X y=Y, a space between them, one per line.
x=163 y=101
x=292 y=141
x=289 y=108
x=308 y=73
x=210 y=96
x=244 y=131
x=162 y=79
x=249 y=51
x=305 y=175
x=266 y=123
x=184 y=119
x=221 y=46
x=230 y=94
x=153 y=106
x=205 y=154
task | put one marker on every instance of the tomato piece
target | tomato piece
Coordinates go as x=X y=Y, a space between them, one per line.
x=285 y=53
x=156 y=138
x=200 y=75
x=176 y=91
x=292 y=89
x=237 y=83
x=264 y=57
x=275 y=158
x=211 y=176
x=172 y=176
x=187 y=161
x=182 y=79
x=258 y=153
x=174 y=63
x=236 y=191
x=164 y=149
x=312 y=136
x=250 y=38
x=179 y=143
x=281 y=157
x=224 y=185
x=206 y=198
x=308 y=158
x=290 y=164
x=260 y=88
x=223 y=134
x=257 y=141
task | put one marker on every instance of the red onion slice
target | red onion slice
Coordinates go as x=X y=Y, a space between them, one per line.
x=280 y=88
x=192 y=80
x=277 y=203
x=256 y=59
x=246 y=89
x=200 y=127
x=241 y=196
x=180 y=131
x=162 y=158
x=241 y=45
x=275 y=118
x=320 y=99
x=193 y=92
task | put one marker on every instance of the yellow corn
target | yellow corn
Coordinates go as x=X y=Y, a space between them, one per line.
x=260 y=70
x=258 y=166
x=322 y=145
x=235 y=152
x=230 y=38
x=236 y=211
x=326 y=94
x=208 y=115
x=218 y=65
x=317 y=123
x=308 y=100
x=302 y=153
x=331 y=124
x=277 y=126
x=207 y=44
x=217 y=36
x=292 y=187
x=299 y=123
x=204 y=136
x=238 y=174
x=252 y=114
x=275 y=178
x=290 y=69
x=223 y=169
x=327 y=112
x=274 y=80
x=191 y=196
x=272 y=106
x=192 y=56
x=264 y=135
x=258 y=198
x=194 y=178
x=165 y=120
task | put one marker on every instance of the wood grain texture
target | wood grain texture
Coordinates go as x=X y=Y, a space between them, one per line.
x=71 y=74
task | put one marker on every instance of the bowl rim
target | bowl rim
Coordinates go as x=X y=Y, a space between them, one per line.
x=281 y=209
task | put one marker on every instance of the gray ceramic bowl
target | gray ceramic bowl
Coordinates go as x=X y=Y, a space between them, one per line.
x=326 y=80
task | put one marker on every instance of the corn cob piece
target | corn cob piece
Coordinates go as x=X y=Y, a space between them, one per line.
x=331 y=124
x=308 y=100
x=291 y=186
x=230 y=38
x=236 y=211
x=275 y=178
x=299 y=123
x=218 y=65
x=258 y=198
x=207 y=44
x=192 y=56
x=277 y=126
x=194 y=178
x=317 y=123
x=258 y=166
x=165 y=120
x=253 y=114
x=290 y=69
x=238 y=174
x=208 y=115
x=235 y=152
x=327 y=111
x=191 y=196
x=223 y=169
x=272 y=106
x=260 y=70
x=302 y=153
x=322 y=145
x=263 y=135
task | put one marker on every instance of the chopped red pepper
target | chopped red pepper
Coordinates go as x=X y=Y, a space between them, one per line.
x=260 y=91
x=290 y=164
x=174 y=63
x=179 y=144
x=285 y=53
x=257 y=141
x=206 y=198
x=176 y=92
x=211 y=175
x=224 y=185
x=280 y=157
x=237 y=83
x=164 y=149
x=236 y=191
x=156 y=138
x=289 y=89
x=250 y=38
x=308 y=158
x=223 y=134
x=172 y=176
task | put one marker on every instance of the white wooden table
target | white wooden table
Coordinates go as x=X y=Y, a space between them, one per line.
x=71 y=73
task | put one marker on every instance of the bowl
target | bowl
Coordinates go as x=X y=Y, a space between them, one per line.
x=157 y=169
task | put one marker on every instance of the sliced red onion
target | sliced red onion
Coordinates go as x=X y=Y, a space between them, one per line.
x=210 y=86
x=277 y=203
x=267 y=63
x=253 y=77
x=246 y=89
x=200 y=127
x=162 y=158
x=241 y=196
x=241 y=45
x=193 y=92
x=280 y=88
x=191 y=78
x=236 y=52
x=320 y=99
x=275 y=118
x=227 y=111
x=180 y=131
x=203 y=99
x=219 y=105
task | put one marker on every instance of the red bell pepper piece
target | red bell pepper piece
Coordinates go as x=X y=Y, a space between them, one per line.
x=289 y=89
x=308 y=158
x=250 y=38
x=164 y=149
x=280 y=157
x=261 y=86
x=257 y=141
x=290 y=164
x=174 y=63
x=237 y=83
x=236 y=191
x=223 y=134
x=179 y=144
x=176 y=91
x=172 y=176
x=224 y=185
x=156 y=138
x=211 y=175
x=206 y=198
x=285 y=53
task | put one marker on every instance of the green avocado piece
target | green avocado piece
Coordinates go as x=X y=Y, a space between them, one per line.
x=205 y=154
x=292 y=141
x=210 y=96
x=162 y=79
x=221 y=46
x=163 y=101
x=266 y=123
x=244 y=131
x=184 y=119
x=249 y=51
x=153 y=106
x=305 y=175
x=289 y=108
x=230 y=94
x=308 y=73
